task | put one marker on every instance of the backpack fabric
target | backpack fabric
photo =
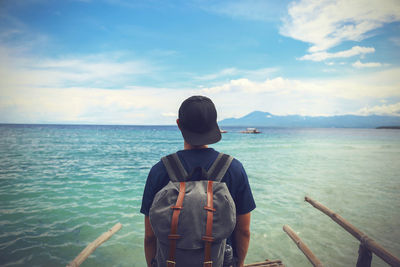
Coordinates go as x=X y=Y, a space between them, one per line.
x=193 y=219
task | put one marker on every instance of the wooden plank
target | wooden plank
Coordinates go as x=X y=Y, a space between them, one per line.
x=95 y=244
x=302 y=246
x=373 y=246
x=266 y=263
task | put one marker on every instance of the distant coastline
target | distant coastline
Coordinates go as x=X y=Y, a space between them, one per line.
x=389 y=127
x=266 y=119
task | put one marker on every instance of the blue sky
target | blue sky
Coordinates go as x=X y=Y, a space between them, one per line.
x=134 y=62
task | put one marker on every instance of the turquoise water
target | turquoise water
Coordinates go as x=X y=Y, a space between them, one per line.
x=62 y=186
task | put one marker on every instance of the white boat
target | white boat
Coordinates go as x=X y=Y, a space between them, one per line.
x=251 y=130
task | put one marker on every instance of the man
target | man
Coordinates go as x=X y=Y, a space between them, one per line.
x=198 y=124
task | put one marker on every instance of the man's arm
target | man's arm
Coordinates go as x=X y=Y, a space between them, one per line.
x=242 y=236
x=150 y=244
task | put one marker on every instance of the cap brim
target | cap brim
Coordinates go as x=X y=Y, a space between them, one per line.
x=198 y=139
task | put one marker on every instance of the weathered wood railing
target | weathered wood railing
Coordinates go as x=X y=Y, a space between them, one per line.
x=92 y=246
x=367 y=245
x=302 y=246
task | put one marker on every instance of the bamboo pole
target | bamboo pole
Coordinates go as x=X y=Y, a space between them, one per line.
x=373 y=246
x=302 y=246
x=95 y=244
x=265 y=263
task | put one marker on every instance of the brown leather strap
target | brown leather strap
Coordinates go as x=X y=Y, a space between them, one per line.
x=208 y=238
x=173 y=236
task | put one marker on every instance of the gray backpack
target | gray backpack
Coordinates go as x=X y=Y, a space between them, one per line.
x=193 y=219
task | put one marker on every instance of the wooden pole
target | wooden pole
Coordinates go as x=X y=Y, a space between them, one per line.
x=363 y=238
x=302 y=246
x=95 y=244
x=268 y=263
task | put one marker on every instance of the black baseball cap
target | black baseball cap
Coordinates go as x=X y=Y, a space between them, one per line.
x=198 y=121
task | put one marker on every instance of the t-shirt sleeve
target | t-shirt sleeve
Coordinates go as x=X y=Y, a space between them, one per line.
x=150 y=189
x=243 y=195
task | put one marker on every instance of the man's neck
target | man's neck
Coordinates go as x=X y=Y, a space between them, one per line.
x=187 y=146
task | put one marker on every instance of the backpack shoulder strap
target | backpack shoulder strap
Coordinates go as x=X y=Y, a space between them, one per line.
x=219 y=167
x=175 y=169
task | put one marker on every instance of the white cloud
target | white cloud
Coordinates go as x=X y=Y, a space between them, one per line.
x=92 y=70
x=330 y=70
x=395 y=40
x=41 y=92
x=308 y=97
x=13 y=29
x=359 y=64
x=234 y=72
x=393 y=109
x=149 y=105
x=133 y=105
x=91 y=89
x=354 y=51
x=222 y=73
x=277 y=85
x=170 y=114
x=327 y=23
x=376 y=85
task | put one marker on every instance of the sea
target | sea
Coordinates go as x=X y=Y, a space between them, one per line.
x=62 y=186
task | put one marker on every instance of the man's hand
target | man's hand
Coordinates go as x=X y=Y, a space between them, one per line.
x=150 y=241
x=242 y=236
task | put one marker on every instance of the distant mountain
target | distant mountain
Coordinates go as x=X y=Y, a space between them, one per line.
x=265 y=119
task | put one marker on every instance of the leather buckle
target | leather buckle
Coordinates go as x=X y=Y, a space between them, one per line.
x=207 y=238
x=174 y=236
x=170 y=263
x=209 y=209
x=207 y=264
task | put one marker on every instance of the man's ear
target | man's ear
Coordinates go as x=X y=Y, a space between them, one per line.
x=177 y=122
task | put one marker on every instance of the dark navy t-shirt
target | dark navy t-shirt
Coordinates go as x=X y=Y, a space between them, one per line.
x=235 y=178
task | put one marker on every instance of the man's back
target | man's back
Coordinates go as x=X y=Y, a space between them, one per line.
x=235 y=179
